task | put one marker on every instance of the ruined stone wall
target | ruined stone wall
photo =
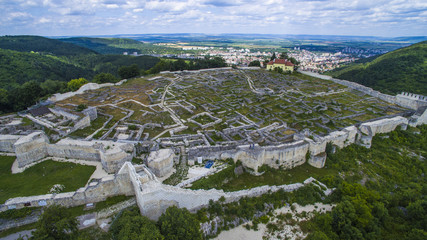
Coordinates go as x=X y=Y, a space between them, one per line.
x=7 y=142
x=287 y=155
x=406 y=100
x=75 y=149
x=382 y=126
x=91 y=112
x=82 y=123
x=31 y=148
x=35 y=146
x=96 y=192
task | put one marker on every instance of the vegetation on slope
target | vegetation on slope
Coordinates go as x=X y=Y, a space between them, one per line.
x=404 y=69
x=120 y=45
x=42 y=45
x=380 y=192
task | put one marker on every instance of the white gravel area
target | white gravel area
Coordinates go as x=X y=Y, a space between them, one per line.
x=242 y=233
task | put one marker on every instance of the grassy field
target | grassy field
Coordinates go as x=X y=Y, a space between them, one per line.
x=227 y=181
x=40 y=178
x=95 y=125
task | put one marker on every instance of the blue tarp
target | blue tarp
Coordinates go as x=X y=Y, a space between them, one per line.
x=209 y=164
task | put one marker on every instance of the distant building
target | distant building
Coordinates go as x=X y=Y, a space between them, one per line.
x=284 y=64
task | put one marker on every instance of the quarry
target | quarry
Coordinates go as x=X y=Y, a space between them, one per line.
x=141 y=130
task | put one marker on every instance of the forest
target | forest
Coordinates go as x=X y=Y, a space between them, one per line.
x=402 y=70
x=32 y=68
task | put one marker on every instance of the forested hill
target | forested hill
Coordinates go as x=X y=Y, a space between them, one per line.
x=33 y=58
x=106 y=45
x=402 y=70
x=16 y=68
x=42 y=45
x=36 y=67
x=120 y=45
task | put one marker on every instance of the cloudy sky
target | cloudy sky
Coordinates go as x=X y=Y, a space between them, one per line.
x=102 y=17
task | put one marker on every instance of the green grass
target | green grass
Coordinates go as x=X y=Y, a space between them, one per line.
x=178 y=176
x=18 y=229
x=39 y=179
x=79 y=210
x=95 y=125
x=227 y=181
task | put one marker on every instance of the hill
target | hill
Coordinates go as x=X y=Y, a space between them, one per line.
x=402 y=70
x=119 y=45
x=42 y=45
x=16 y=68
x=47 y=64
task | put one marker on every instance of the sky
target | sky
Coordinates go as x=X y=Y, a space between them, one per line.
x=386 y=18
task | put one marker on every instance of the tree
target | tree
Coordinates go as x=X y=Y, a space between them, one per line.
x=75 y=84
x=26 y=95
x=51 y=86
x=255 y=63
x=179 y=224
x=105 y=78
x=4 y=100
x=284 y=55
x=273 y=57
x=129 y=71
x=130 y=225
x=56 y=223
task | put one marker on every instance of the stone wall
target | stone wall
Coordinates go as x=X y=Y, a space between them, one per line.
x=82 y=123
x=161 y=161
x=287 y=155
x=31 y=148
x=7 y=142
x=406 y=100
x=96 y=192
x=382 y=126
x=35 y=146
x=89 y=86
x=91 y=112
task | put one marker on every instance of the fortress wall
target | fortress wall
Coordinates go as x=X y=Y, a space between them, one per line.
x=74 y=149
x=112 y=160
x=89 y=86
x=107 y=187
x=287 y=155
x=82 y=123
x=7 y=142
x=406 y=100
x=382 y=126
x=91 y=112
x=60 y=112
x=31 y=148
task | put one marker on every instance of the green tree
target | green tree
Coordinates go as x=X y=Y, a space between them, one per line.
x=75 y=84
x=4 y=100
x=179 y=224
x=51 y=86
x=273 y=57
x=255 y=63
x=56 y=223
x=105 y=78
x=129 y=71
x=284 y=55
x=26 y=95
x=130 y=225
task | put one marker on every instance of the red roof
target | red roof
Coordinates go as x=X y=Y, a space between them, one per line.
x=280 y=61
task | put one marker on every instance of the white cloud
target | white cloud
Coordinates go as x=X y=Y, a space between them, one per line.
x=270 y=16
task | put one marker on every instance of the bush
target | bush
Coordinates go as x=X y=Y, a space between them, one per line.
x=179 y=224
